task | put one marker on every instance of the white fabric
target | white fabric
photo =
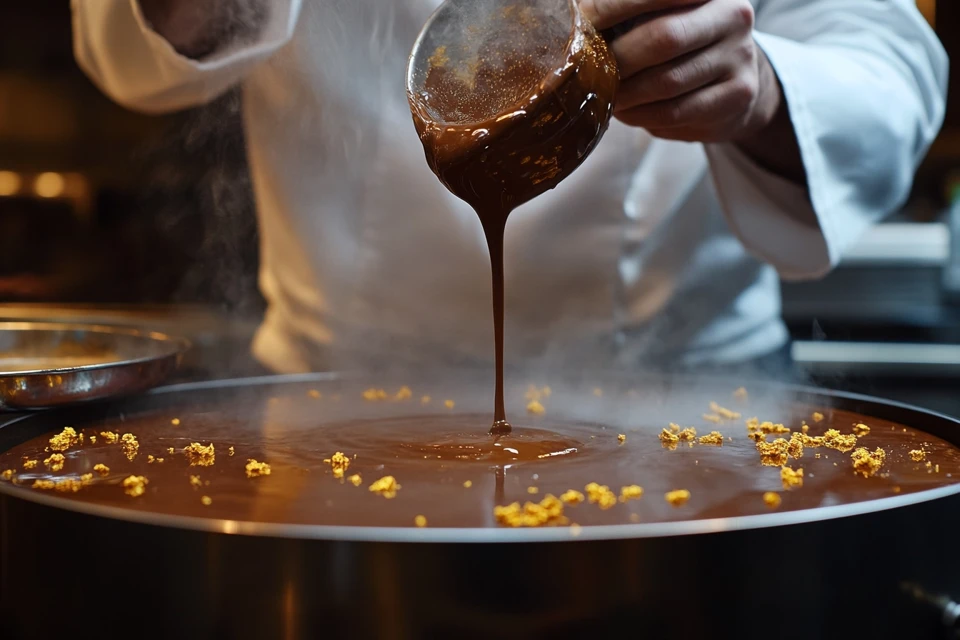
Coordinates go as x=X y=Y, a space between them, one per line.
x=652 y=251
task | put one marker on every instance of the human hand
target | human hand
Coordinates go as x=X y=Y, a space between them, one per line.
x=690 y=69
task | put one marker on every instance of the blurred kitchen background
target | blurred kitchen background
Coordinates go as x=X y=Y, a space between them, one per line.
x=149 y=221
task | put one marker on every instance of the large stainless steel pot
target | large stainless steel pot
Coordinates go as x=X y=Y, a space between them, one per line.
x=872 y=569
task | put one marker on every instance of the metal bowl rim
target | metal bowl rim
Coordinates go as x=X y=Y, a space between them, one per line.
x=176 y=346
x=490 y=535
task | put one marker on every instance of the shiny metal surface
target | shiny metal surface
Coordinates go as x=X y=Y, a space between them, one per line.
x=49 y=365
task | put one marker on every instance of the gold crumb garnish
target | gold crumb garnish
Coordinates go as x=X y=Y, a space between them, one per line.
x=631 y=492
x=425 y=400
x=833 y=439
x=918 y=455
x=110 y=437
x=866 y=463
x=740 y=394
x=420 y=521
x=135 y=486
x=600 y=495
x=200 y=455
x=813 y=442
x=714 y=438
x=373 y=395
x=64 y=440
x=231 y=451
x=338 y=463
x=196 y=482
x=757 y=436
x=795 y=446
x=30 y=464
x=101 y=468
x=386 y=486
x=69 y=485
x=206 y=501
x=817 y=416
x=170 y=450
x=687 y=435
x=315 y=394
x=621 y=438
x=355 y=480
x=548 y=512
x=572 y=496
x=55 y=461
x=150 y=459
x=772 y=499
x=175 y=422
x=404 y=393
x=674 y=427
x=7 y=474
x=130 y=446
x=712 y=417
x=668 y=439
x=773 y=454
x=93 y=438
x=467 y=484
x=598 y=392
x=86 y=478
x=449 y=404
x=805 y=428
x=534 y=407
x=677 y=498
x=772 y=428
x=44 y=485
x=752 y=424
x=723 y=412
x=256 y=469
x=791 y=479
x=860 y=430
x=533 y=490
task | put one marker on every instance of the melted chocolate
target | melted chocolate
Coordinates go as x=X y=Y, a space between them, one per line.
x=503 y=133
x=432 y=452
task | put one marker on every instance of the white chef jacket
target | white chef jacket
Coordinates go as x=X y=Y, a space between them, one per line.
x=653 y=251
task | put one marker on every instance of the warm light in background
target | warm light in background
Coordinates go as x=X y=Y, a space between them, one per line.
x=9 y=183
x=49 y=185
x=929 y=10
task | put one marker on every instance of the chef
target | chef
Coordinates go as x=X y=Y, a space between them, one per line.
x=755 y=141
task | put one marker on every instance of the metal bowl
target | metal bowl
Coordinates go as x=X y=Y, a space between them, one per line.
x=881 y=568
x=48 y=365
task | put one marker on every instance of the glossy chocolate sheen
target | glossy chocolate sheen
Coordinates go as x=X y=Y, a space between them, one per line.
x=432 y=451
x=513 y=130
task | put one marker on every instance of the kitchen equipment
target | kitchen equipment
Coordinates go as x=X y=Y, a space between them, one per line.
x=882 y=568
x=47 y=365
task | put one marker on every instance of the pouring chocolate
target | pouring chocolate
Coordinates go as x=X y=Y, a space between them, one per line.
x=508 y=100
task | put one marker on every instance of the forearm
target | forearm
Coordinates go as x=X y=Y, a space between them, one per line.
x=198 y=28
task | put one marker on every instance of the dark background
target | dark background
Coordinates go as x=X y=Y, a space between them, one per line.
x=159 y=209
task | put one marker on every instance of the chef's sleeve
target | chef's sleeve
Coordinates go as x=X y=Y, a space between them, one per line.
x=135 y=66
x=865 y=82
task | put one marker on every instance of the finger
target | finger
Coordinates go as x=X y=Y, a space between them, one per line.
x=675 y=34
x=715 y=104
x=673 y=79
x=604 y=14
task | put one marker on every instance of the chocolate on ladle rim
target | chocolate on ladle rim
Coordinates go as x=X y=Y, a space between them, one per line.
x=506 y=108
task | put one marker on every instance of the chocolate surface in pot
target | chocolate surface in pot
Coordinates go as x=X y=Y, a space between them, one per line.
x=452 y=473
